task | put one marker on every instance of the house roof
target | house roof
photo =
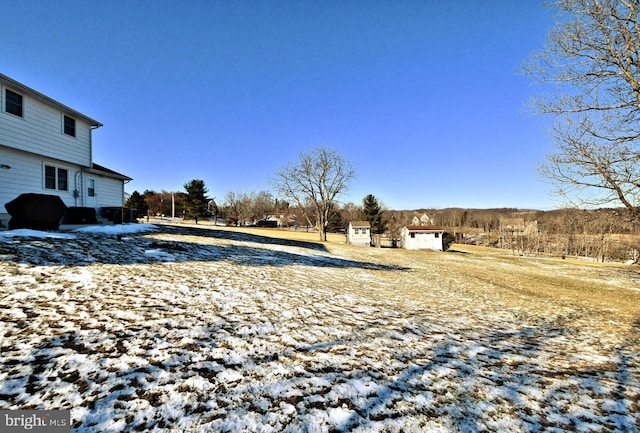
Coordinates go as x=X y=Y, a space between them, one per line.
x=21 y=88
x=425 y=228
x=104 y=171
x=360 y=224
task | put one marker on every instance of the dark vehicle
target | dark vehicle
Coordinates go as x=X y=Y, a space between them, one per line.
x=271 y=224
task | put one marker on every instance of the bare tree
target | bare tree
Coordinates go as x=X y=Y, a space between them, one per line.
x=263 y=205
x=396 y=220
x=160 y=203
x=592 y=62
x=237 y=206
x=350 y=212
x=317 y=178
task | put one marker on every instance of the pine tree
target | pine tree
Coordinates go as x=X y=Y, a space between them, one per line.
x=335 y=222
x=137 y=201
x=195 y=200
x=372 y=212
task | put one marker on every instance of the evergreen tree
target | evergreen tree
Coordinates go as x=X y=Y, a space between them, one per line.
x=335 y=222
x=137 y=201
x=372 y=212
x=195 y=200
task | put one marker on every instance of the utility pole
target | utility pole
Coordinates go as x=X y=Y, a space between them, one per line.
x=173 y=207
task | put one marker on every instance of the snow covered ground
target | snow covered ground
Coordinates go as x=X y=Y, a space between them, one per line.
x=145 y=328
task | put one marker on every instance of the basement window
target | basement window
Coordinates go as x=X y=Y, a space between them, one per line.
x=13 y=103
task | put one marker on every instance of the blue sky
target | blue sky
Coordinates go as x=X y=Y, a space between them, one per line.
x=422 y=97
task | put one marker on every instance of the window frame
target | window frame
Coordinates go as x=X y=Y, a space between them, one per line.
x=71 y=132
x=50 y=177
x=91 y=187
x=7 y=104
x=59 y=175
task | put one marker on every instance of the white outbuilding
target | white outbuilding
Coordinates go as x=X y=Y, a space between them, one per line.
x=421 y=238
x=359 y=233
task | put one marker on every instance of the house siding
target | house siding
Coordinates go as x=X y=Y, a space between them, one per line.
x=40 y=131
x=26 y=175
x=109 y=192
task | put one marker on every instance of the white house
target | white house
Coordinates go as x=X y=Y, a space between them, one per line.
x=359 y=233
x=45 y=148
x=421 y=238
x=424 y=220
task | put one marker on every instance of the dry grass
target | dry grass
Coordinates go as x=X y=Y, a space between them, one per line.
x=606 y=289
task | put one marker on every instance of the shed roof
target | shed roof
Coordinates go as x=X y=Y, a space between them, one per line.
x=360 y=224
x=425 y=228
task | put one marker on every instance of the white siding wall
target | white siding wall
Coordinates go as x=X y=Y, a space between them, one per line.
x=421 y=241
x=26 y=175
x=359 y=239
x=109 y=192
x=40 y=131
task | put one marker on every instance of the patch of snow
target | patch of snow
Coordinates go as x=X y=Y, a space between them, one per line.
x=28 y=233
x=117 y=229
x=340 y=417
x=160 y=254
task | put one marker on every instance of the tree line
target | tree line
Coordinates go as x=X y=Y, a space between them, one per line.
x=309 y=189
x=250 y=208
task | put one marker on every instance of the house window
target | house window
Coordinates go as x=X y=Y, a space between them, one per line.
x=12 y=102
x=413 y=235
x=56 y=178
x=63 y=176
x=91 y=190
x=437 y=235
x=70 y=126
x=49 y=177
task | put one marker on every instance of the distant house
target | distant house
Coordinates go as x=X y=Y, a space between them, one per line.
x=421 y=238
x=45 y=148
x=512 y=225
x=424 y=220
x=359 y=233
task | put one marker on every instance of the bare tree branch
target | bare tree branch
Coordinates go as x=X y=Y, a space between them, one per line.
x=592 y=64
